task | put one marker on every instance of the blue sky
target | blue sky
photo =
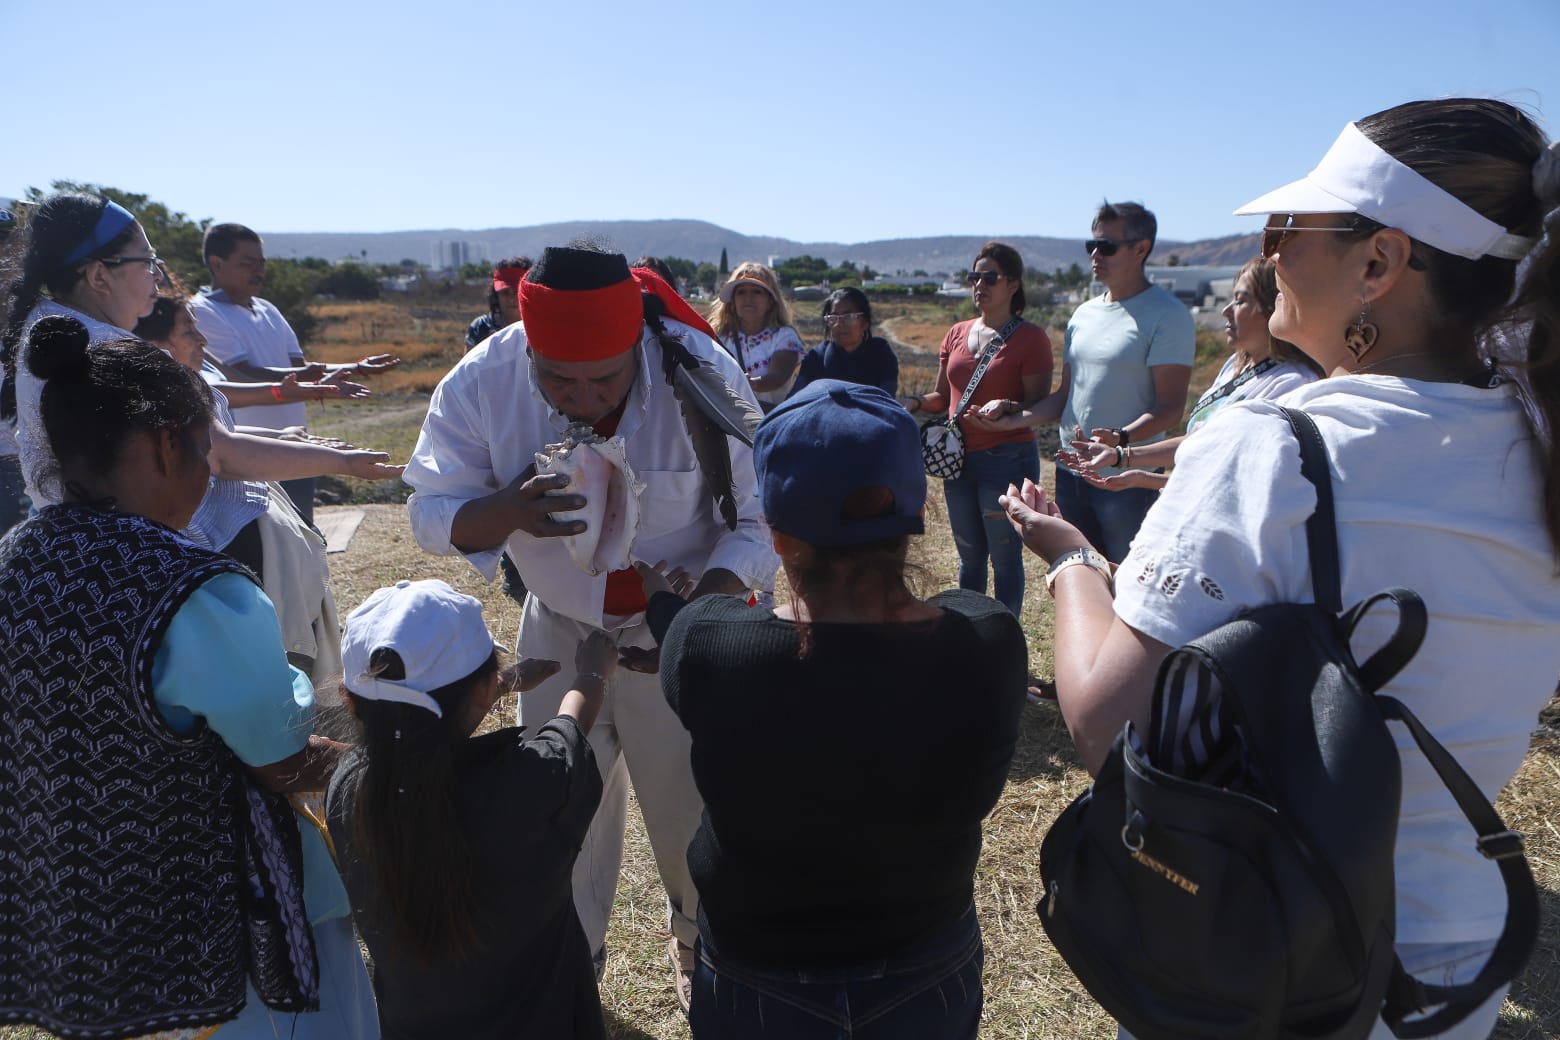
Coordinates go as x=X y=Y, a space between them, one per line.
x=813 y=121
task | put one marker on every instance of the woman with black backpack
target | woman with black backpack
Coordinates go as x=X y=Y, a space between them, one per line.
x=1398 y=272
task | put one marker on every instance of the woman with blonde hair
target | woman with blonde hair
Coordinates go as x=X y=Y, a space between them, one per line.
x=753 y=322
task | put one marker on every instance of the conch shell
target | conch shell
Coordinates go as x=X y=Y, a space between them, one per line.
x=597 y=468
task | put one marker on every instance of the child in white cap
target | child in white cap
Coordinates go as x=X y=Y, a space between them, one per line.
x=433 y=827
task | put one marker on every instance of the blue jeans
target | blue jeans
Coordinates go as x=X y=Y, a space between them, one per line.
x=932 y=992
x=973 y=494
x=1108 y=519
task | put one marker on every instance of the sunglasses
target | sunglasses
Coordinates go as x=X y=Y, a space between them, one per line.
x=840 y=319
x=986 y=277
x=1106 y=246
x=1274 y=234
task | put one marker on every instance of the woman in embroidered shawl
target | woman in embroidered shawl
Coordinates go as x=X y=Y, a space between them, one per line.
x=153 y=726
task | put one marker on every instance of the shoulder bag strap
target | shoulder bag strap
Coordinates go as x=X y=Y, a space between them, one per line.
x=987 y=356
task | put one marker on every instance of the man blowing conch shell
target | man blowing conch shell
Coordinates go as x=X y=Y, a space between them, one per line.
x=591 y=350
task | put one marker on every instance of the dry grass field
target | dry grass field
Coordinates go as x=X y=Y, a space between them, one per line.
x=1029 y=992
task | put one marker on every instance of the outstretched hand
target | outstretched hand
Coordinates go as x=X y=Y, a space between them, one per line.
x=677 y=581
x=527 y=674
x=1039 y=521
x=369 y=465
x=340 y=386
x=597 y=654
x=375 y=363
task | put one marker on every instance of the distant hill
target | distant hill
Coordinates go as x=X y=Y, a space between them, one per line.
x=699 y=240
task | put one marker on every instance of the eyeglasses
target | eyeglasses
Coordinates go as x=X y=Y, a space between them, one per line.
x=153 y=264
x=840 y=319
x=986 y=277
x=1274 y=234
x=1107 y=246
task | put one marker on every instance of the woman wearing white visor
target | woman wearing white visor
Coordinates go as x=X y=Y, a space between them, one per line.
x=1398 y=272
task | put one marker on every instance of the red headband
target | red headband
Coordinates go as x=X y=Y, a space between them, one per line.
x=581 y=324
x=677 y=308
x=507 y=278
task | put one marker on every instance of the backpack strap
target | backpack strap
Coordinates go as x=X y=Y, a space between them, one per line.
x=1406 y=994
x=1321 y=535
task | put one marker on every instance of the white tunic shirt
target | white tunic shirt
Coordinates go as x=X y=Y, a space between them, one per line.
x=256 y=335
x=488 y=420
x=1436 y=488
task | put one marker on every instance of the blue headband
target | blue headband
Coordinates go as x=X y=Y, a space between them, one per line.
x=111 y=223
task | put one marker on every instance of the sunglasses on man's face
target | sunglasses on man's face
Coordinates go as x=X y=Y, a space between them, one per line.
x=986 y=277
x=1107 y=246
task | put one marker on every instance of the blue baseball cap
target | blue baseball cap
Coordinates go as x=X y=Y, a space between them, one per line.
x=827 y=442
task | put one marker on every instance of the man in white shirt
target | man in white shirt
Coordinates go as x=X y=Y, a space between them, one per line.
x=585 y=353
x=252 y=341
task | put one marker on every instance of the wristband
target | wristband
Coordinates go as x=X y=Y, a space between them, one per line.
x=276 y=392
x=1121 y=436
x=1086 y=557
x=1120 y=455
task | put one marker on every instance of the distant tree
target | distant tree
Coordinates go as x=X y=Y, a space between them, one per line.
x=475 y=271
x=685 y=270
x=705 y=276
x=918 y=273
x=802 y=270
x=1174 y=260
x=289 y=284
x=725 y=268
x=409 y=265
x=867 y=273
x=349 y=282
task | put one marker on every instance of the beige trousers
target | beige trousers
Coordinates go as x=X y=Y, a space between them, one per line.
x=635 y=737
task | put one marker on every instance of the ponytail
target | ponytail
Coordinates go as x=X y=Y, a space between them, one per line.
x=407 y=829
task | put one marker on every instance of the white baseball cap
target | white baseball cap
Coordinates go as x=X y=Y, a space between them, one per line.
x=438 y=633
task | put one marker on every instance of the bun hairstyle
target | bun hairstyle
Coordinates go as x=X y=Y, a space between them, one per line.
x=96 y=397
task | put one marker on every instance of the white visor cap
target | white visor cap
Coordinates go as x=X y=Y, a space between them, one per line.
x=1359 y=176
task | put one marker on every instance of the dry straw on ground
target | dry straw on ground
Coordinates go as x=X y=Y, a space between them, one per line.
x=1029 y=991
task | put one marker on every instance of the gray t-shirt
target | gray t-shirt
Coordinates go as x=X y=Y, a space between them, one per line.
x=1110 y=348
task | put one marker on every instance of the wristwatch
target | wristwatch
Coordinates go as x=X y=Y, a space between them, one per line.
x=1086 y=557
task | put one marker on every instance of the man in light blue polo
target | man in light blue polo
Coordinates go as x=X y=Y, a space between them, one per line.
x=1126 y=363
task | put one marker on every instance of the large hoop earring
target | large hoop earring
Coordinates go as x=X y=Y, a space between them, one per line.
x=1361 y=337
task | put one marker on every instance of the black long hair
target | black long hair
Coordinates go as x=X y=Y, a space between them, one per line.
x=55 y=227
x=406 y=830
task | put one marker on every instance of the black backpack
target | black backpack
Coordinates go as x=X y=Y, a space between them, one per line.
x=1256 y=898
